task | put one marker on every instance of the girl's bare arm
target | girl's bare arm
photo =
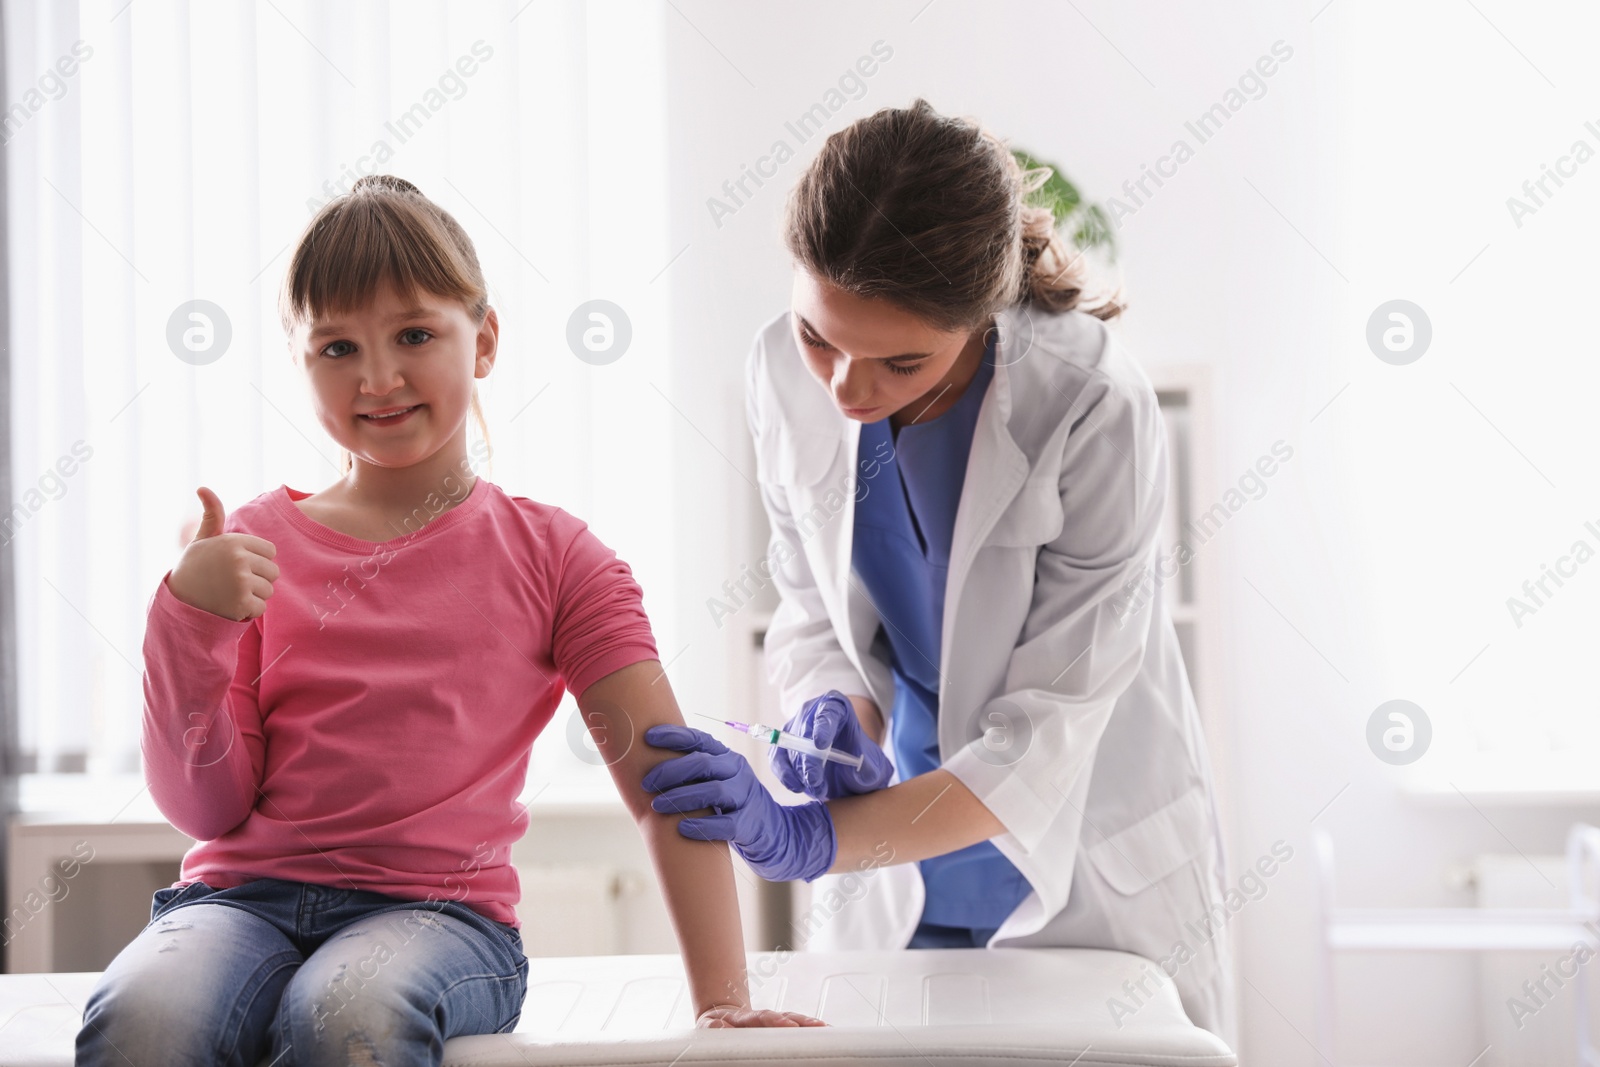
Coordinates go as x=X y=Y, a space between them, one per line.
x=696 y=877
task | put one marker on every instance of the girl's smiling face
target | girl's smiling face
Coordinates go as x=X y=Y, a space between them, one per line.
x=417 y=356
x=875 y=359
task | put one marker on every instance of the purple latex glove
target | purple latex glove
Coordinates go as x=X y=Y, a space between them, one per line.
x=779 y=842
x=830 y=721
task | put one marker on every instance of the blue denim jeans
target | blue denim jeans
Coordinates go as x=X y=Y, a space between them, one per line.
x=290 y=973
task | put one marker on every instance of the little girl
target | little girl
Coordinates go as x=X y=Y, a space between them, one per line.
x=341 y=691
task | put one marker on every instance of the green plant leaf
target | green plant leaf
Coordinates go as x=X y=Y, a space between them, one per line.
x=1084 y=221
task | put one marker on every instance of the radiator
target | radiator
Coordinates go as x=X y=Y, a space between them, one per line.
x=1544 y=1038
x=572 y=909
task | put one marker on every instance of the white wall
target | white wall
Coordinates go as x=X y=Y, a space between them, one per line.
x=1245 y=260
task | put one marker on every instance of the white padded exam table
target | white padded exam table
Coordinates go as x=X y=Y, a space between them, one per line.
x=940 y=1007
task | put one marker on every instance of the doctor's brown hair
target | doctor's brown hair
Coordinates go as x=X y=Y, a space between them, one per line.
x=930 y=213
x=382 y=230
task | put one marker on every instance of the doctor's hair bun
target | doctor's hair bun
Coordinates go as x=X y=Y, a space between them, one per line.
x=931 y=213
x=386 y=182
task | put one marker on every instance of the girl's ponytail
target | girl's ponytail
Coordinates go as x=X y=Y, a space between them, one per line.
x=391 y=182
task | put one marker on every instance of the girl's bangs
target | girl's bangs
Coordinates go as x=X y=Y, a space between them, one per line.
x=360 y=246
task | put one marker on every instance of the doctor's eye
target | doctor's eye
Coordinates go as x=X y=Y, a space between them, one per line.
x=905 y=368
x=811 y=339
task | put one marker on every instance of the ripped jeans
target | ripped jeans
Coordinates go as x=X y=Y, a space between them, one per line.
x=293 y=975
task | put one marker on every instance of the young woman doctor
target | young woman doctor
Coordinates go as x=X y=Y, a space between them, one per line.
x=965 y=475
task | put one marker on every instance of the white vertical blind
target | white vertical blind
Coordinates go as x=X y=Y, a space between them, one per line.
x=179 y=161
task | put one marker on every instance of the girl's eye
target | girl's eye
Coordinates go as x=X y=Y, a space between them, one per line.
x=411 y=333
x=328 y=351
x=905 y=368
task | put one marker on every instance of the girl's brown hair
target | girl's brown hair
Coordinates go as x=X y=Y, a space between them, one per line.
x=931 y=213
x=382 y=230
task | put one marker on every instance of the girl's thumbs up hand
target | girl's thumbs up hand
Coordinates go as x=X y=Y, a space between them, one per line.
x=227 y=574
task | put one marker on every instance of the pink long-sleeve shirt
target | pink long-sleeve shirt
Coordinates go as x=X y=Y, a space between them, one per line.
x=371 y=730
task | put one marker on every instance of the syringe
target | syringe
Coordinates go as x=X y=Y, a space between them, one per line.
x=783 y=739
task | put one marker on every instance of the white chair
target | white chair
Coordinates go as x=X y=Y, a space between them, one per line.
x=1462 y=930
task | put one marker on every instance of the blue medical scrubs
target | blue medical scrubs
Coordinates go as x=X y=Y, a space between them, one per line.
x=905 y=519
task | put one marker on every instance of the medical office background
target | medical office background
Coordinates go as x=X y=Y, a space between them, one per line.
x=1356 y=240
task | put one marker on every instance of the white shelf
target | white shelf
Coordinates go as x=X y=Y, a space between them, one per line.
x=573 y=797
x=97 y=798
x=124 y=798
x=1457 y=929
x=1506 y=779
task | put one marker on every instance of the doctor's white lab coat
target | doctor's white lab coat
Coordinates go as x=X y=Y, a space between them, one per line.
x=1076 y=727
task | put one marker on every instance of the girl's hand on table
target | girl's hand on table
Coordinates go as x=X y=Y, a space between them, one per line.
x=725 y=1015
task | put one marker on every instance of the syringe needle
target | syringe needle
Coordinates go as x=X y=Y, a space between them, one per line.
x=793 y=742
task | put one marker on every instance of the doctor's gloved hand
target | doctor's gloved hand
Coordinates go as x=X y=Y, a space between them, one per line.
x=830 y=721
x=779 y=842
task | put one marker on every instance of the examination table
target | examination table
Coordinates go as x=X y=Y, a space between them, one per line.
x=943 y=1007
